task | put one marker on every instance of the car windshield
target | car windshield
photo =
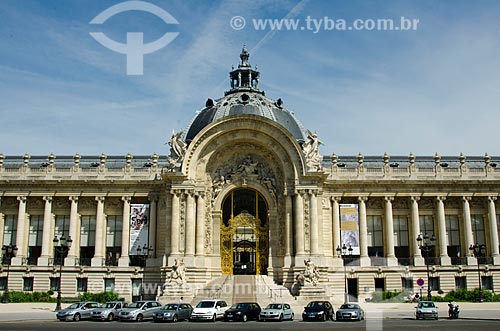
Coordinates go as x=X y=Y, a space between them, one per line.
x=273 y=306
x=426 y=305
x=74 y=306
x=205 y=304
x=110 y=305
x=170 y=307
x=349 y=306
x=239 y=305
x=137 y=304
x=315 y=304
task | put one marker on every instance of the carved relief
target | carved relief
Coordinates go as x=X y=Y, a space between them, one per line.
x=478 y=203
x=375 y=203
x=208 y=222
x=9 y=203
x=426 y=203
x=35 y=203
x=454 y=203
x=182 y=219
x=400 y=203
x=87 y=203
x=61 y=203
x=307 y=224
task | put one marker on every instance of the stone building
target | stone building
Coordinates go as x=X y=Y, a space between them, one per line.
x=245 y=190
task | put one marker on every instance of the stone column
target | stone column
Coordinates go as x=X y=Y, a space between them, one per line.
x=124 y=260
x=190 y=224
x=174 y=234
x=389 y=233
x=299 y=224
x=336 y=225
x=364 y=259
x=443 y=249
x=492 y=220
x=200 y=223
x=418 y=260
x=74 y=250
x=288 y=225
x=314 y=223
x=43 y=260
x=21 y=243
x=2 y=220
x=152 y=223
x=98 y=258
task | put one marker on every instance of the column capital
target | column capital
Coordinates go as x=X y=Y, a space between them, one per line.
x=363 y=198
x=336 y=198
x=467 y=198
x=21 y=198
x=492 y=198
x=440 y=198
x=389 y=198
x=100 y=198
x=415 y=198
x=47 y=198
x=73 y=198
x=200 y=194
x=175 y=192
x=126 y=198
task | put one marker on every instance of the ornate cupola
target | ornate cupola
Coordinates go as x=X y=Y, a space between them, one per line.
x=244 y=78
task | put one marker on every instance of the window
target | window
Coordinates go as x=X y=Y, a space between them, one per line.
x=28 y=284
x=407 y=283
x=375 y=236
x=453 y=238
x=427 y=225
x=113 y=239
x=10 y=230
x=62 y=226
x=109 y=284
x=35 y=239
x=460 y=283
x=379 y=284
x=487 y=283
x=434 y=283
x=87 y=239
x=54 y=283
x=81 y=284
x=401 y=249
x=3 y=283
x=478 y=229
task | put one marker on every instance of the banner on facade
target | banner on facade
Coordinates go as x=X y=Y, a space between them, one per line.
x=349 y=227
x=139 y=227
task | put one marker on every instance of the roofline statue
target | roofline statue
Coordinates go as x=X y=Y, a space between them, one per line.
x=178 y=149
x=311 y=152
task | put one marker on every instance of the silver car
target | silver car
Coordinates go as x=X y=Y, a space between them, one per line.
x=109 y=311
x=426 y=309
x=350 y=311
x=139 y=311
x=276 y=311
x=77 y=311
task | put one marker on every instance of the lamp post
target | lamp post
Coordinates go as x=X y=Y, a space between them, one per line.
x=426 y=245
x=61 y=247
x=343 y=253
x=8 y=252
x=478 y=251
x=144 y=253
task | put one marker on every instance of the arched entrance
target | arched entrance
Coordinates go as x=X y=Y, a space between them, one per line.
x=244 y=233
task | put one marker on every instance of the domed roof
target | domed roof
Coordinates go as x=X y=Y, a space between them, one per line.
x=245 y=98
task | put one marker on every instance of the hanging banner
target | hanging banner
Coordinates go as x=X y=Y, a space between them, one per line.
x=349 y=227
x=139 y=227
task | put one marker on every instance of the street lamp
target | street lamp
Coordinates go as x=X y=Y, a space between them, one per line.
x=343 y=253
x=426 y=245
x=8 y=252
x=478 y=251
x=61 y=247
x=144 y=253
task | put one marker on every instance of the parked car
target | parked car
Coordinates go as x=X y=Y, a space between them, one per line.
x=77 y=311
x=318 y=310
x=173 y=312
x=109 y=311
x=276 y=311
x=243 y=311
x=139 y=311
x=426 y=309
x=209 y=310
x=350 y=311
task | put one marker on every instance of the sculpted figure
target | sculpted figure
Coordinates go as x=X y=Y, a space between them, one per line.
x=311 y=152
x=178 y=149
x=178 y=273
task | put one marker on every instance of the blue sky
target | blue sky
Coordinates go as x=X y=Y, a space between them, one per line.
x=435 y=89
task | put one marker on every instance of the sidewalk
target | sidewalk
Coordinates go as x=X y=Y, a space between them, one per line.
x=27 y=311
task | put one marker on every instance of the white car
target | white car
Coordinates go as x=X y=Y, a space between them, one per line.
x=209 y=310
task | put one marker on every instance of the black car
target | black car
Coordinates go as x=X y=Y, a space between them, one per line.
x=243 y=311
x=318 y=311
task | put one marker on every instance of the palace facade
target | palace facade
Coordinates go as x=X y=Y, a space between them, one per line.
x=245 y=190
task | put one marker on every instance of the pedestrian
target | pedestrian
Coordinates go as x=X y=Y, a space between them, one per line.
x=181 y=300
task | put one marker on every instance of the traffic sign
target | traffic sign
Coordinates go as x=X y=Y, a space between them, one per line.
x=420 y=282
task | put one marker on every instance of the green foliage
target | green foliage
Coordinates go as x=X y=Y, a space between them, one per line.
x=470 y=296
x=440 y=291
x=15 y=296
x=100 y=297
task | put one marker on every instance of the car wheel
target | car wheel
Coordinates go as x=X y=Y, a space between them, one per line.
x=214 y=318
x=244 y=318
x=175 y=318
x=291 y=317
x=139 y=318
x=77 y=317
x=325 y=317
x=281 y=318
x=110 y=317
